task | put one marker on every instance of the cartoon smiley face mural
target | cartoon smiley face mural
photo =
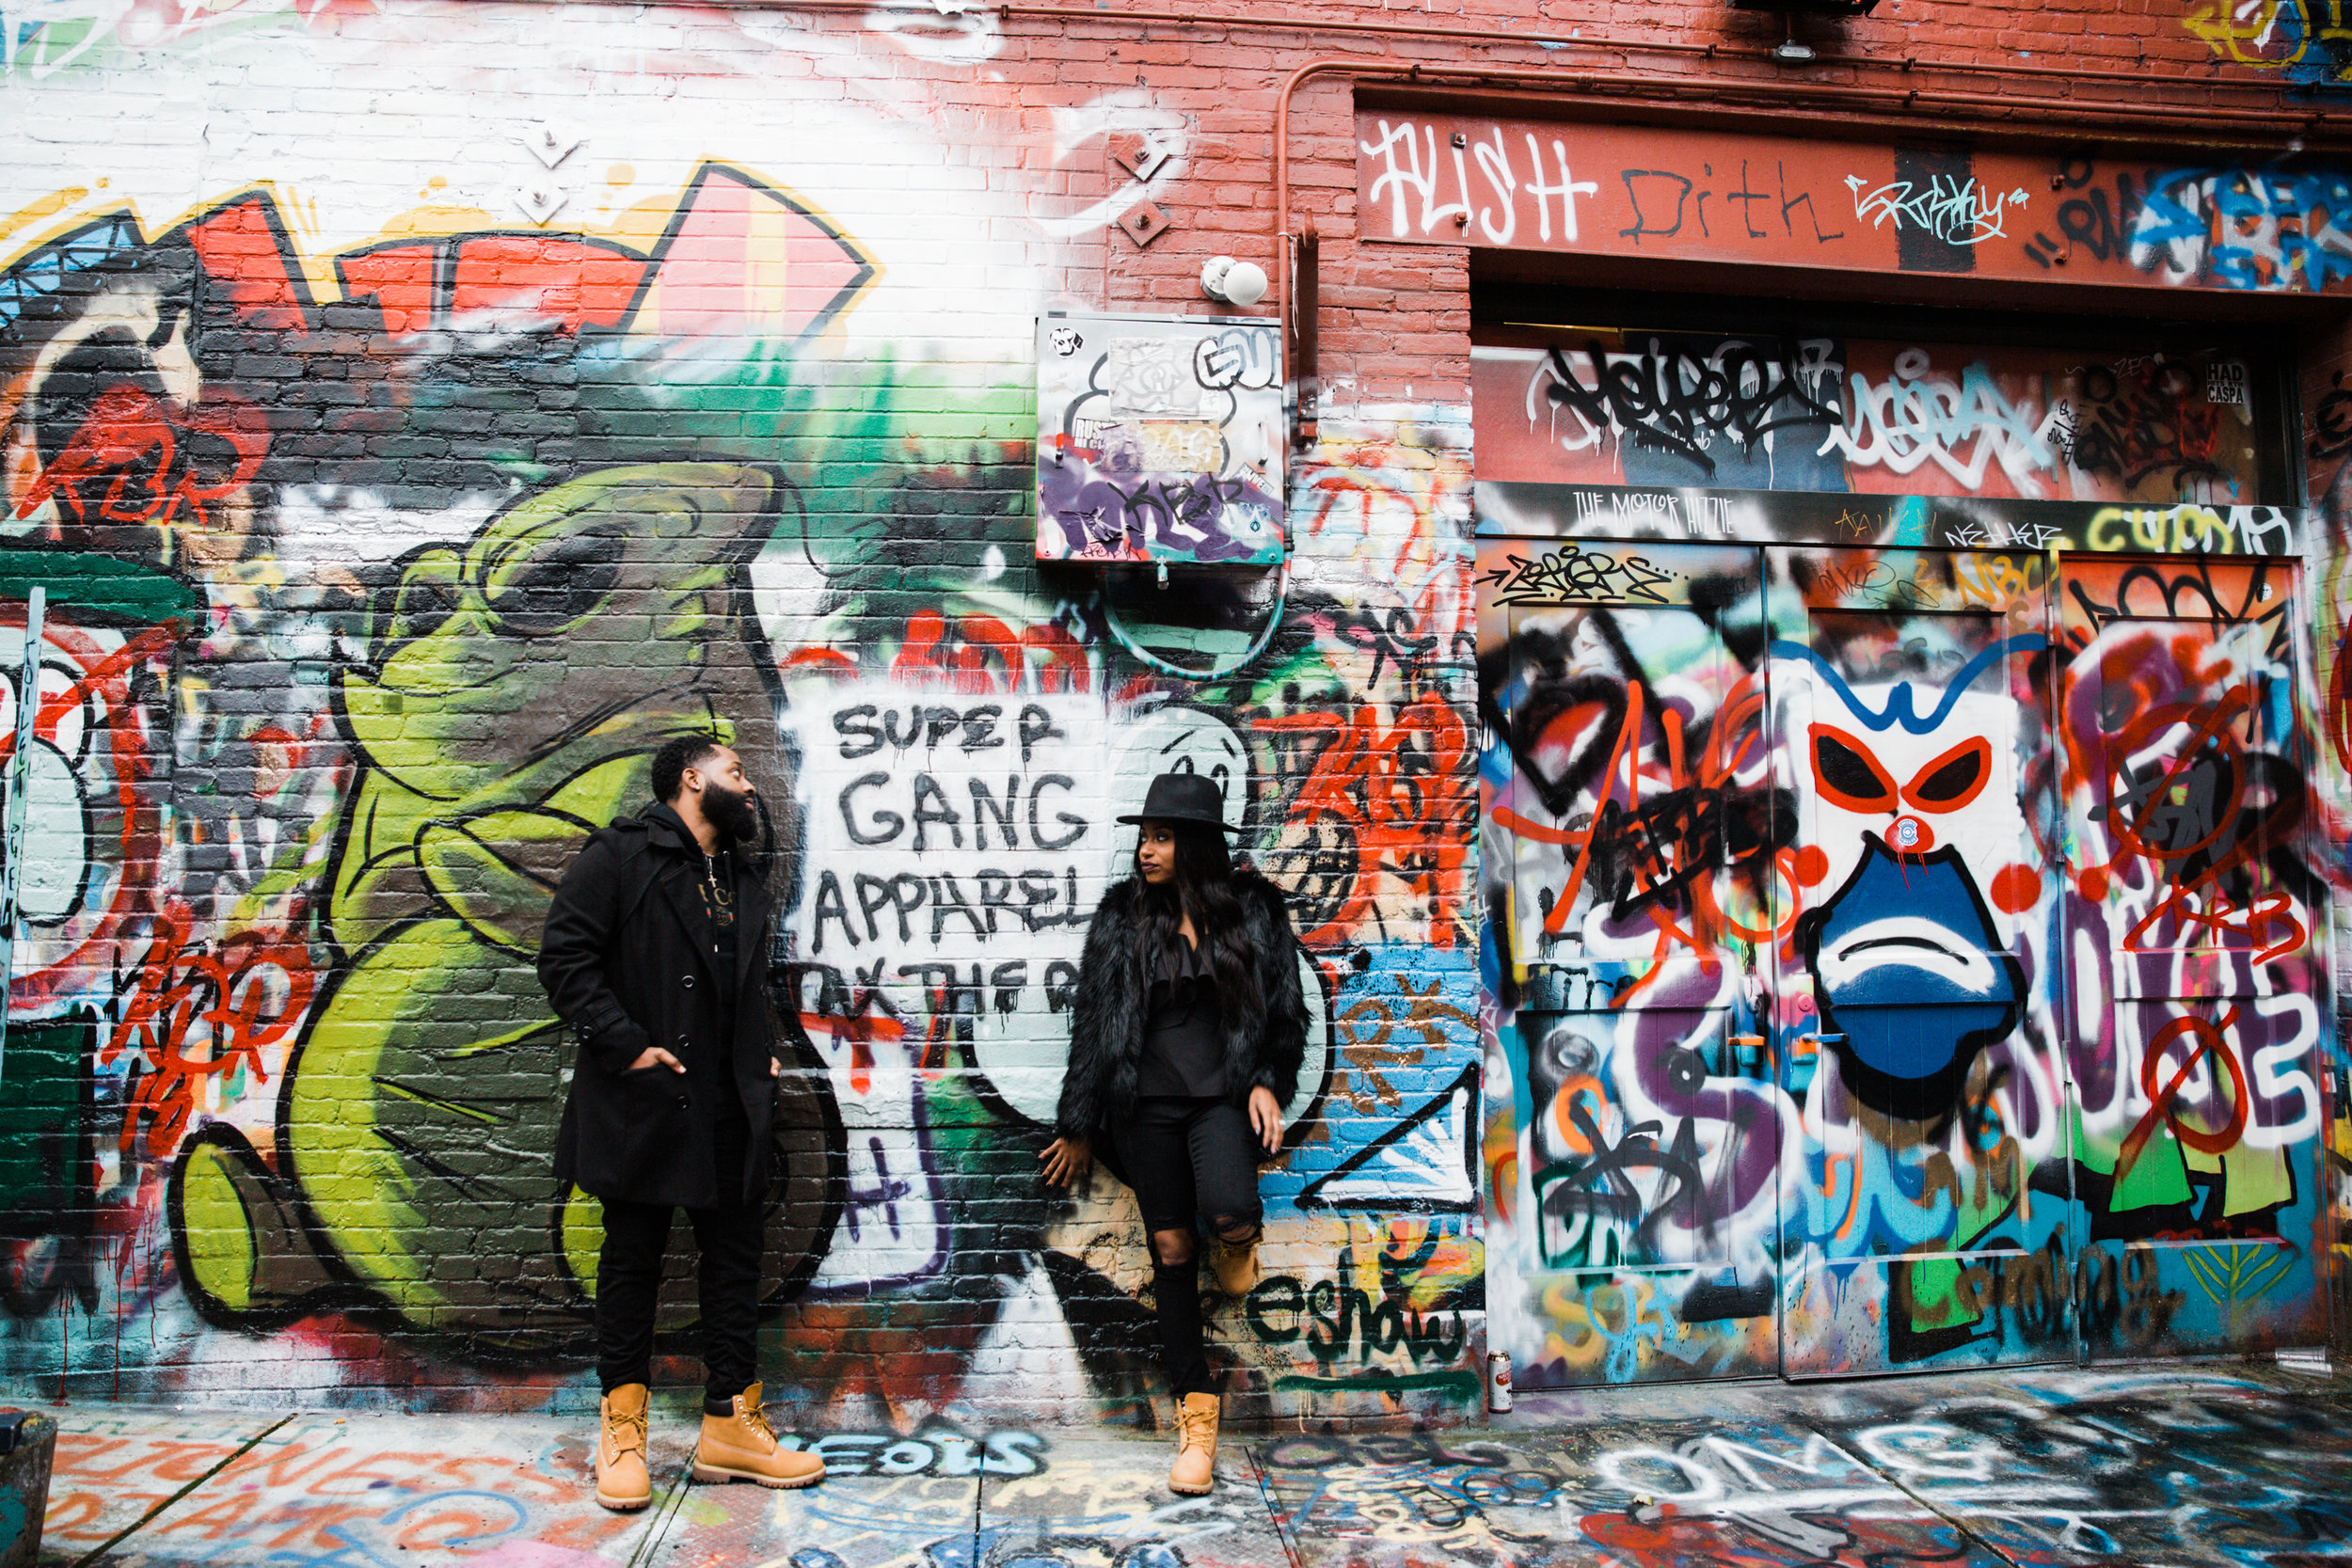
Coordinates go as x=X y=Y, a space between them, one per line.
x=1914 y=841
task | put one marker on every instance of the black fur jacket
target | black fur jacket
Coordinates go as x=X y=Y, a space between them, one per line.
x=1265 y=1047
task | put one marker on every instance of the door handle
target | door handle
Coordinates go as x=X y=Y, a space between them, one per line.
x=1747 y=1055
x=1803 y=1065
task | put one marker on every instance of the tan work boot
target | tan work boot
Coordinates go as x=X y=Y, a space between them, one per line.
x=742 y=1446
x=622 y=1483
x=1195 y=1470
x=1235 y=1265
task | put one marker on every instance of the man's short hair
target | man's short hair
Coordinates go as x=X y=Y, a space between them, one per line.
x=675 y=756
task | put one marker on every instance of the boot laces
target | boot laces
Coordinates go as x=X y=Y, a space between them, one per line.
x=756 y=1417
x=625 y=1433
x=1197 y=1429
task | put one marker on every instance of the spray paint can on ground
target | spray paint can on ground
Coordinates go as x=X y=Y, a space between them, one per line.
x=1498 y=1382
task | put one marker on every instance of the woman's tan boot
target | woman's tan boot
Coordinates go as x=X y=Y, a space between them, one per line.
x=1235 y=1264
x=621 y=1482
x=741 y=1446
x=1195 y=1470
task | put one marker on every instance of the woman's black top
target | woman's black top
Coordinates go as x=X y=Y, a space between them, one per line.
x=1183 y=1043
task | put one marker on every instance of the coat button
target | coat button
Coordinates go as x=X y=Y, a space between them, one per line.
x=688 y=982
x=681 y=1042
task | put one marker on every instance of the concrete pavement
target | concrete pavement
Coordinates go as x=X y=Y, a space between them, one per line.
x=2222 y=1464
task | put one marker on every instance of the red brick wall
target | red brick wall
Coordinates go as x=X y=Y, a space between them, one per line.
x=2005 y=71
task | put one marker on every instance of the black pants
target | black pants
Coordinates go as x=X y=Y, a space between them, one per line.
x=629 y=1280
x=1185 y=1159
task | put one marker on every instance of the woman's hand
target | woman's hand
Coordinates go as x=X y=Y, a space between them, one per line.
x=653 y=1055
x=1066 y=1160
x=1266 y=1119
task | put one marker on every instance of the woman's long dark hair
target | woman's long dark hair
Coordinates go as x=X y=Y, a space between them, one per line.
x=1203 y=889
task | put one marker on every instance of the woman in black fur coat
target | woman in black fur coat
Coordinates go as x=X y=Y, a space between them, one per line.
x=1185 y=1040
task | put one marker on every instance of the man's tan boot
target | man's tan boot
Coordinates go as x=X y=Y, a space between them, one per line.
x=622 y=1483
x=1195 y=1470
x=741 y=1446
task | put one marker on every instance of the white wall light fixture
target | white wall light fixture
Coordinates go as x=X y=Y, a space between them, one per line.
x=1231 y=282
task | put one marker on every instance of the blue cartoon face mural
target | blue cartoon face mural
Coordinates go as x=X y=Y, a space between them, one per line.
x=1911 y=817
x=1911 y=977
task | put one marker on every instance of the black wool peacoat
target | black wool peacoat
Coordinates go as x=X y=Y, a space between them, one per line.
x=1264 y=1048
x=627 y=963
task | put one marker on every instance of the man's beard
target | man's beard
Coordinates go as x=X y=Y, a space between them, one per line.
x=733 y=814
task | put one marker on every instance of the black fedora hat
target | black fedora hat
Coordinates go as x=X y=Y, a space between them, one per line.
x=1183 y=798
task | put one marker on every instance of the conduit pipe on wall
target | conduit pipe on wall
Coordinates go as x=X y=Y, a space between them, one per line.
x=1304 y=352
x=2288 y=129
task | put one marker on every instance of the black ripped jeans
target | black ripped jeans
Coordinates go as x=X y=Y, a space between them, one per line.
x=729 y=1240
x=1186 y=1159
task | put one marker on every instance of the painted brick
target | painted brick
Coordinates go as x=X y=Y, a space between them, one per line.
x=339 y=471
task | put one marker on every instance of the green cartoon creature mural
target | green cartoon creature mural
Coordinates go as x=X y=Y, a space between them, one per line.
x=512 y=692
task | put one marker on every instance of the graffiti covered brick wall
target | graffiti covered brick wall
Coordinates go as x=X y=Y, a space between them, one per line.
x=418 y=411
x=2232 y=225
x=1883 y=418
x=402 y=480
x=2307 y=42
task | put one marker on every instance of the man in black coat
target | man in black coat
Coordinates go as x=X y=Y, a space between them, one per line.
x=654 y=955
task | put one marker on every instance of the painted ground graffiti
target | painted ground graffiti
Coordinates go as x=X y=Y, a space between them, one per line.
x=2038 y=1469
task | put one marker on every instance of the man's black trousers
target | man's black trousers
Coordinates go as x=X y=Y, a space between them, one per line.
x=629 y=1281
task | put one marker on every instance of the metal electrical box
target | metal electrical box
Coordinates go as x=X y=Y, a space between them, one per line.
x=1159 y=438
